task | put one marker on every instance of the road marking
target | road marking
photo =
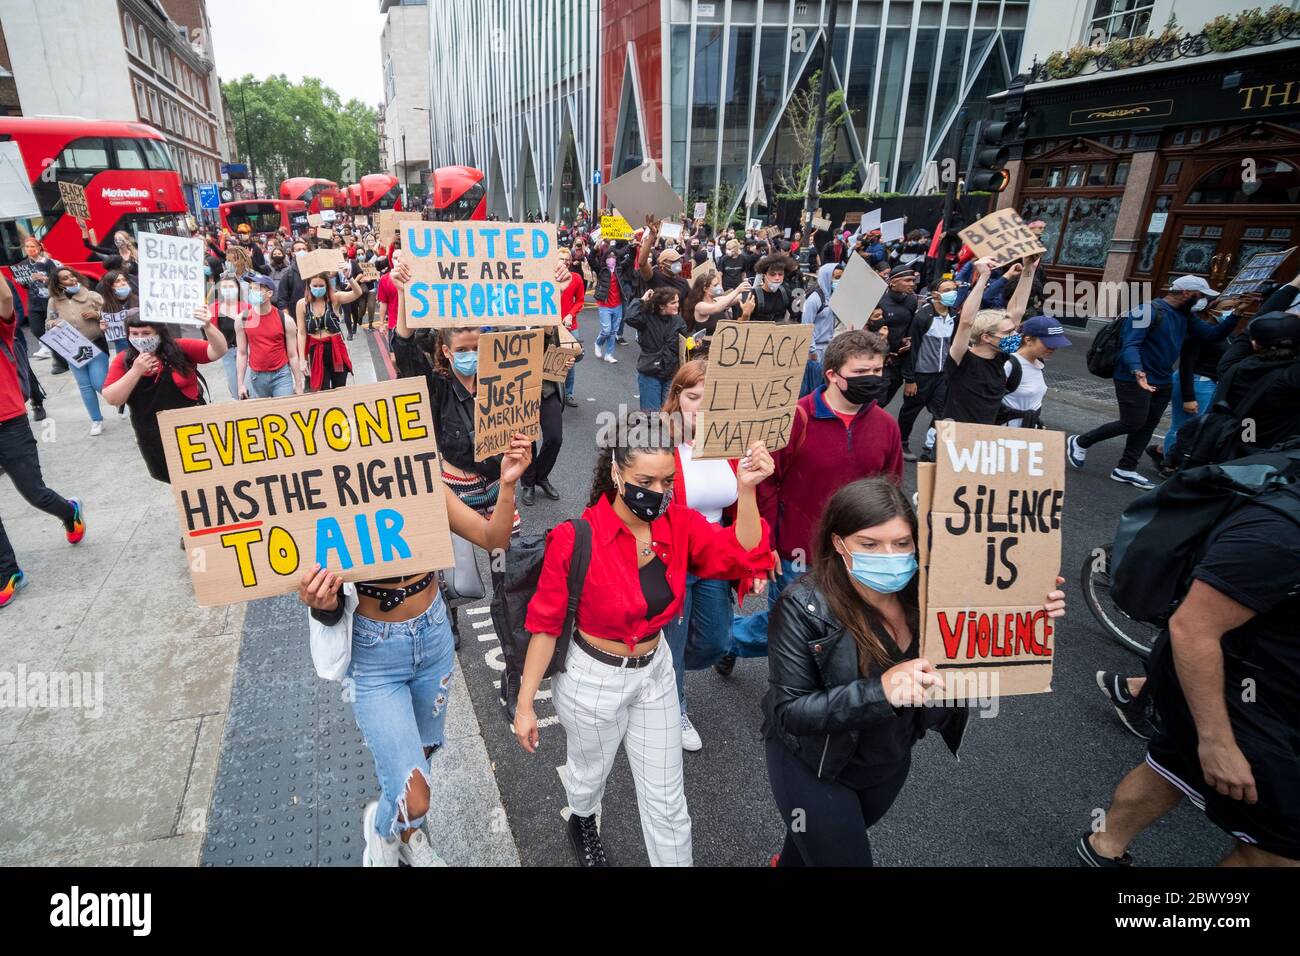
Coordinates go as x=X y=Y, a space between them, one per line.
x=477 y=611
x=482 y=624
x=489 y=636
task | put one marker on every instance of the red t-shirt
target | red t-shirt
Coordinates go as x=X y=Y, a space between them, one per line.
x=266 y=341
x=615 y=297
x=12 y=403
x=388 y=293
x=196 y=350
x=572 y=296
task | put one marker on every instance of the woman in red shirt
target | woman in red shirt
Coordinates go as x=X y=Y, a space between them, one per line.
x=572 y=298
x=618 y=684
x=136 y=378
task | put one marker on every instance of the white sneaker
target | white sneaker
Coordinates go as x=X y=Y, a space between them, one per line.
x=378 y=851
x=690 y=736
x=41 y=353
x=611 y=360
x=418 y=852
x=96 y=428
x=1132 y=478
x=1075 y=453
x=600 y=350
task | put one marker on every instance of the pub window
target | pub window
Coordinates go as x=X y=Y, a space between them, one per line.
x=1052 y=212
x=1121 y=175
x=1056 y=177
x=1214 y=133
x=1276 y=182
x=1075 y=176
x=1171 y=172
x=1195 y=137
x=1180 y=137
x=1097 y=174
x=1091 y=226
x=1282 y=234
x=1036 y=176
x=1147 y=257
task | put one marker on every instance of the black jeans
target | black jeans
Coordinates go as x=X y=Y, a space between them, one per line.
x=930 y=393
x=552 y=438
x=893 y=381
x=19 y=458
x=826 y=823
x=1139 y=414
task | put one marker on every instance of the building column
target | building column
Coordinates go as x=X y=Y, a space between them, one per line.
x=1130 y=229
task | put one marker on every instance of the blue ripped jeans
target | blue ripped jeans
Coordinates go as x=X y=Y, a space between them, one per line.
x=401 y=676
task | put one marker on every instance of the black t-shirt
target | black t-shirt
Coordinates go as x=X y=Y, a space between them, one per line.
x=899 y=309
x=733 y=271
x=976 y=388
x=1253 y=557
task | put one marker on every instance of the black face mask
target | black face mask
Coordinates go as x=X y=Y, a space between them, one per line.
x=644 y=503
x=860 y=389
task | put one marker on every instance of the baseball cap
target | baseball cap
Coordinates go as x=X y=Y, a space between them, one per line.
x=244 y=227
x=1192 y=284
x=1047 y=330
x=1275 y=330
x=258 y=279
x=669 y=256
x=901 y=272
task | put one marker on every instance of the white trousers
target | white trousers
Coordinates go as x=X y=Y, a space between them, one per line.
x=601 y=706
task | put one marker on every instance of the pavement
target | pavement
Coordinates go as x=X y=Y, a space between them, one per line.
x=218 y=745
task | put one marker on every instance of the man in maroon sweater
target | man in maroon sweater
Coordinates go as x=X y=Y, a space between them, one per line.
x=840 y=434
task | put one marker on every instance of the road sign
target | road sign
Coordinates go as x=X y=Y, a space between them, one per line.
x=227 y=195
x=209 y=195
x=595 y=178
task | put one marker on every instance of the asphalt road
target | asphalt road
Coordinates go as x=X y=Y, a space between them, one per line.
x=1030 y=779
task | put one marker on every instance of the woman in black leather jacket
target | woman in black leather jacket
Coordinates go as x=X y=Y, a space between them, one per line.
x=847 y=685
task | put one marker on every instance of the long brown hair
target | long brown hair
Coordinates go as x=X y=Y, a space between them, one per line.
x=688 y=376
x=865 y=503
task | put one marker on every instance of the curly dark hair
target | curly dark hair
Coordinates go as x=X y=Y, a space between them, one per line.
x=638 y=432
x=661 y=297
x=776 y=260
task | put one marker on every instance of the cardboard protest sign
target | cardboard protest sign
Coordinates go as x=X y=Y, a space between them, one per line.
x=1002 y=235
x=171 y=279
x=390 y=220
x=74 y=201
x=820 y=224
x=859 y=291
x=751 y=387
x=71 y=344
x=852 y=219
x=754 y=225
x=644 y=192
x=568 y=339
x=267 y=488
x=17 y=201
x=471 y=274
x=360 y=220
x=701 y=210
x=703 y=270
x=924 y=499
x=1256 y=273
x=325 y=232
x=891 y=230
x=993 y=550
x=509 y=396
x=615 y=227
x=369 y=271
x=315 y=219
x=319 y=262
x=553 y=363
x=670 y=230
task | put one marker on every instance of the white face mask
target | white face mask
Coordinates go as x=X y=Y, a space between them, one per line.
x=715 y=290
x=1200 y=305
x=773 y=286
x=676 y=267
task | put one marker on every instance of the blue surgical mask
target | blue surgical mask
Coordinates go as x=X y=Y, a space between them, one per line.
x=318 y=291
x=122 y=291
x=883 y=573
x=73 y=289
x=1009 y=344
x=255 y=299
x=948 y=298
x=465 y=363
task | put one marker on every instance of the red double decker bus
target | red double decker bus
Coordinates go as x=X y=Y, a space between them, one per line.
x=459 y=192
x=316 y=194
x=126 y=169
x=378 y=191
x=352 y=197
x=264 y=215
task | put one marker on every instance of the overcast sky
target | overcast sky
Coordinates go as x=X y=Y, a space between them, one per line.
x=335 y=40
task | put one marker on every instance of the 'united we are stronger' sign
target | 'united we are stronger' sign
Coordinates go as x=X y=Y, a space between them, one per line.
x=991 y=509
x=476 y=274
x=347 y=479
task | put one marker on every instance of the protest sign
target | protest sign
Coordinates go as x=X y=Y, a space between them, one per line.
x=171 y=279
x=751 y=387
x=701 y=210
x=1002 y=235
x=17 y=201
x=269 y=487
x=859 y=291
x=360 y=220
x=471 y=274
x=390 y=220
x=891 y=230
x=993 y=552
x=553 y=363
x=644 y=192
x=115 y=324
x=869 y=221
x=820 y=224
x=319 y=262
x=852 y=219
x=369 y=271
x=670 y=230
x=704 y=269
x=328 y=215
x=615 y=227
x=71 y=344
x=325 y=232
x=315 y=219
x=1256 y=273
x=74 y=201
x=754 y=225
x=509 y=395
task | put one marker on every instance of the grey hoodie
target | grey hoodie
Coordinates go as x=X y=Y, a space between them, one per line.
x=817 y=310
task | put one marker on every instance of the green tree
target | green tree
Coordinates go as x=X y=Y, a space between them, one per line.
x=302 y=129
x=801 y=120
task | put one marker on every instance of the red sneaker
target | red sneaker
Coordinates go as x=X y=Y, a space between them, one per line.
x=12 y=585
x=76 y=528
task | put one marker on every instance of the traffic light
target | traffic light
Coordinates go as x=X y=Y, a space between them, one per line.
x=993 y=146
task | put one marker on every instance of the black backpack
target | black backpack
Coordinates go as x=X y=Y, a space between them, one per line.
x=1103 y=353
x=1162 y=533
x=510 y=599
x=1217 y=435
